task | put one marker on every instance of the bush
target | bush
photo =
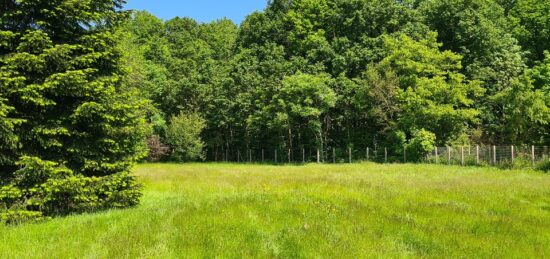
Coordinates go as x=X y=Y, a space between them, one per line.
x=544 y=166
x=420 y=145
x=183 y=136
x=43 y=189
x=157 y=149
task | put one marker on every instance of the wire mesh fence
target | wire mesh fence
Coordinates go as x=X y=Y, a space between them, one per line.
x=451 y=155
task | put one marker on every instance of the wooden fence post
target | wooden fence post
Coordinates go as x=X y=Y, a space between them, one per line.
x=318 y=156
x=477 y=154
x=495 y=154
x=334 y=155
x=436 y=156
x=462 y=155
x=349 y=154
x=385 y=155
x=263 y=155
x=368 y=154
x=250 y=155
x=289 y=156
x=303 y=155
x=512 y=152
x=404 y=154
x=533 y=154
x=449 y=155
x=275 y=156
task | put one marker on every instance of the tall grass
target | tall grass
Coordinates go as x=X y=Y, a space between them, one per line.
x=329 y=211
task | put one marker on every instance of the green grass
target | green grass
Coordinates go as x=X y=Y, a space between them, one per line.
x=361 y=210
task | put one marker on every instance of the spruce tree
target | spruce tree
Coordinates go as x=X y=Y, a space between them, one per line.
x=69 y=130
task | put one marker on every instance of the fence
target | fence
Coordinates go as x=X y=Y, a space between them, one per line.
x=462 y=155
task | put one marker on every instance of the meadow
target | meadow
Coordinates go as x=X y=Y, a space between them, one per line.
x=309 y=211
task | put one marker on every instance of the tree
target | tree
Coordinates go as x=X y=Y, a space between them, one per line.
x=63 y=104
x=183 y=136
x=434 y=95
x=530 y=24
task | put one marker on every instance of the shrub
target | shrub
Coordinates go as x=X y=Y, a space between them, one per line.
x=544 y=166
x=183 y=136
x=157 y=149
x=44 y=189
x=421 y=144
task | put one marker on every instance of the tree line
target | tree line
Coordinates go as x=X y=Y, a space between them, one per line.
x=346 y=73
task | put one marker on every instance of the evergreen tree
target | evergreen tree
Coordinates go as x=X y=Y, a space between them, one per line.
x=66 y=115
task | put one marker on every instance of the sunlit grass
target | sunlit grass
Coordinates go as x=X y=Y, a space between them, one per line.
x=361 y=210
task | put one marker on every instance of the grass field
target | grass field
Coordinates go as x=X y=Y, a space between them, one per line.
x=361 y=210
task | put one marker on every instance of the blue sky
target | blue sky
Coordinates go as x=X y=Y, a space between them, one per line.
x=200 y=10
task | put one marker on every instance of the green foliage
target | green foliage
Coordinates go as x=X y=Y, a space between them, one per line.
x=421 y=144
x=183 y=136
x=454 y=68
x=44 y=188
x=62 y=101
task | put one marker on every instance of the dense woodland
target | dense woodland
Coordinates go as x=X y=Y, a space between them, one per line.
x=349 y=73
x=87 y=89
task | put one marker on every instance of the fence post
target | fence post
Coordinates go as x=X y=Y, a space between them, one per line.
x=275 y=156
x=462 y=155
x=318 y=156
x=512 y=150
x=303 y=155
x=533 y=155
x=250 y=155
x=368 y=154
x=289 y=156
x=436 y=155
x=477 y=154
x=404 y=154
x=385 y=155
x=263 y=155
x=349 y=154
x=495 y=154
x=449 y=155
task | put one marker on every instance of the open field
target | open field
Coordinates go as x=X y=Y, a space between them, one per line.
x=330 y=211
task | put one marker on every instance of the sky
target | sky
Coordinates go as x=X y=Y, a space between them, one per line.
x=200 y=10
